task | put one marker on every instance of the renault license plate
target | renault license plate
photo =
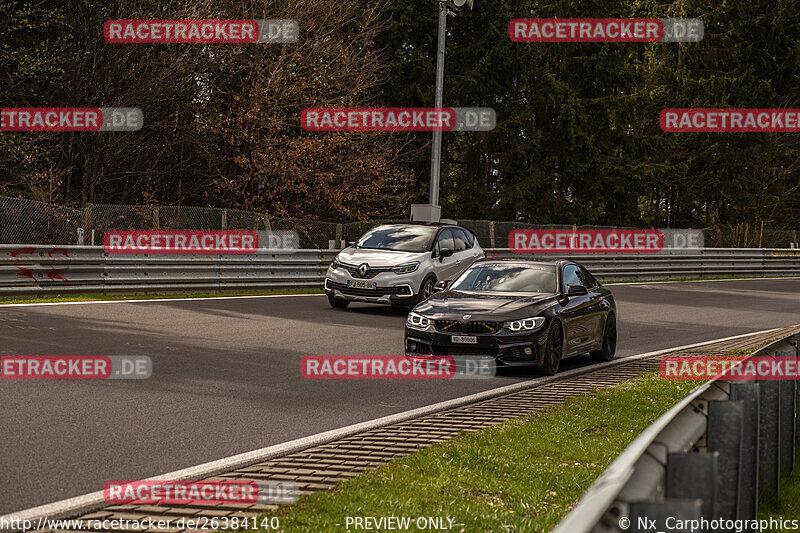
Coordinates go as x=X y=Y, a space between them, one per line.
x=361 y=284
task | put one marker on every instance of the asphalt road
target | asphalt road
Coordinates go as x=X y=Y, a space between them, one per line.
x=226 y=376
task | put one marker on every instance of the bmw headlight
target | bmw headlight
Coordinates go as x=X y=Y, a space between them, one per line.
x=417 y=321
x=526 y=324
x=406 y=268
x=335 y=264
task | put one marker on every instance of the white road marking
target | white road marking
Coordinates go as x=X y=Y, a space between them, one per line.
x=146 y=300
x=619 y=283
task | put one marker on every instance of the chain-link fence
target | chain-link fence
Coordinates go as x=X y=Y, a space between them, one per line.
x=28 y=222
x=31 y=222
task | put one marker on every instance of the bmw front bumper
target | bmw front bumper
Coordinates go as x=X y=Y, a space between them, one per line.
x=510 y=349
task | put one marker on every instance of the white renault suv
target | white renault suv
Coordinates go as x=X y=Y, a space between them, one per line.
x=399 y=264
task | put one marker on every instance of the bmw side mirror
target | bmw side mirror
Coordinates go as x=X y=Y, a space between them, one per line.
x=441 y=286
x=577 y=290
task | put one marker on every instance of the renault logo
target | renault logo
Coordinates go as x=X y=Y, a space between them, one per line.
x=363 y=268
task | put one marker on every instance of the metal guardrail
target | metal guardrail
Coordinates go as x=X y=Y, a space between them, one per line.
x=681 y=264
x=46 y=269
x=709 y=457
x=37 y=270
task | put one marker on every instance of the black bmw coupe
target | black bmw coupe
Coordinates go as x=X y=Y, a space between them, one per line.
x=521 y=312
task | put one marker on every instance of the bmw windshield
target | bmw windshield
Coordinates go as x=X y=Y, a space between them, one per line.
x=508 y=277
x=398 y=238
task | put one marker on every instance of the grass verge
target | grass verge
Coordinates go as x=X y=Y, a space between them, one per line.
x=176 y=296
x=523 y=475
x=678 y=280
x=787 y=504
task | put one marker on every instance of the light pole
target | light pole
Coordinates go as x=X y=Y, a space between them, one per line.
x=431 y=212
x=436 y=151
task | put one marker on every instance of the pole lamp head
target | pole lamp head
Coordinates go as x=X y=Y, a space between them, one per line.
x=458 y=4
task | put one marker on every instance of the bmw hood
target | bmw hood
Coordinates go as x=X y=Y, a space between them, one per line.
x=378 y=258
x=499 y=306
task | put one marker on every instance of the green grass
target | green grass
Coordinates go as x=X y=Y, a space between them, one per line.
x=691 y=279
x=523 y=475
x=787 y=504
x=177 y=296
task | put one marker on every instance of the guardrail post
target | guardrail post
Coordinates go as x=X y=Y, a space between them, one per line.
x=224 y=223
x=787 y=419
x=724 y=435
x=769 y=437
x=747 y=392
x=156 y=221
x=797 y=399
x=694 y=476
x=491 y=235
x=652 y=516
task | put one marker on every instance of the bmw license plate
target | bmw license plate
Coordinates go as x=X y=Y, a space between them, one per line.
x=464 y=339
x=361 y=284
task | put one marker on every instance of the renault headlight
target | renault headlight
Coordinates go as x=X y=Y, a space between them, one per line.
x=525 y=324
x=406 y=268
x=417 y=321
